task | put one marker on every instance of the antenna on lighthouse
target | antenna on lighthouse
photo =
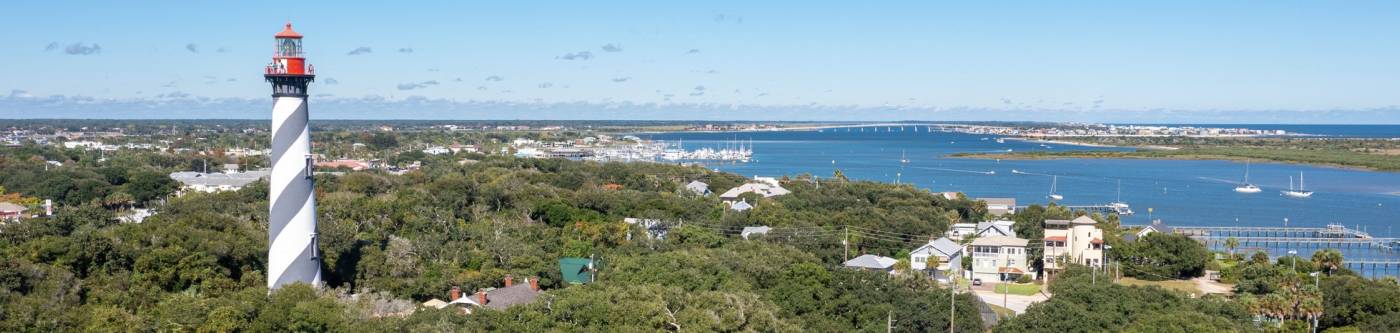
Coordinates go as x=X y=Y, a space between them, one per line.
x=292 y=254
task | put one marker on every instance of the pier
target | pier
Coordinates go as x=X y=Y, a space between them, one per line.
x=1103 y=209
x=1367 y=255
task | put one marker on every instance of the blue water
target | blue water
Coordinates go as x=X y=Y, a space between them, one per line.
x=1186 y=193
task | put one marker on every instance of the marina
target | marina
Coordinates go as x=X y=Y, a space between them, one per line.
x=1208 y=200
x=1367 y=255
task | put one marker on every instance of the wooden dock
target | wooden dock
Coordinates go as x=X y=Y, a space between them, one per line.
x=1367 y=255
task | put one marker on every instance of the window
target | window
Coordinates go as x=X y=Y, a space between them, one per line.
x=315 y=253
x=310 y=163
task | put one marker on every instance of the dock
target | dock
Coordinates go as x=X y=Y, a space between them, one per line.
x=1363 y=253
x=1103 y=209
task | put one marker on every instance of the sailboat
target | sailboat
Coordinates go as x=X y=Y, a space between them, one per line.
x=1300 y=192
x=902 y=158
x=1118 y=205
x=1055 y=196
x=1247 y=187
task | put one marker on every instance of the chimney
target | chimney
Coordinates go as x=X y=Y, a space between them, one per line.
x=509 y=280
x=48 y=207
x=535 y=283
x=456 y=293
x=481 y=296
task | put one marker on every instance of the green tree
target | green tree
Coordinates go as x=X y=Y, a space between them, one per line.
x=1329 y=260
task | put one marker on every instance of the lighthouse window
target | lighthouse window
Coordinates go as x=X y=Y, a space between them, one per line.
x=288 y=47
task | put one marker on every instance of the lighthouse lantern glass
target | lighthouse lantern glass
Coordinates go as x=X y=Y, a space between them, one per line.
x=289 y=47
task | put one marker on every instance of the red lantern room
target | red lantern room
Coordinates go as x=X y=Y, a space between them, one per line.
x=288 y=58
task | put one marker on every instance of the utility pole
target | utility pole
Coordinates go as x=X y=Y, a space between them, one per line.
x=952 y=298
x=889 y=321
x=846 y=243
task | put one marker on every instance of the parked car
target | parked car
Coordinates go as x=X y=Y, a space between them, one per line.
x=977 y=282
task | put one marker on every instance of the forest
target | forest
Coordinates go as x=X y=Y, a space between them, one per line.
x=391 y=242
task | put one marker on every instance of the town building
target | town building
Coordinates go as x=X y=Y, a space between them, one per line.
x=959 y=231
x=10 y=211
x=1074 y=241
x=872 y=262
x=999 y=258
x=763 y=186
x=577 y=271
x=698 y=187
x=946 y=252
x=999 y=206
x=216 y=182
x=750 y=231
x=996 y=228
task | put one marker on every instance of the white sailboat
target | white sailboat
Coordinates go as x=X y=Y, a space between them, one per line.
x=1054 y=180
x=1247 y=187
x=1118 y=205
x=1300 y=192
x=902 y=158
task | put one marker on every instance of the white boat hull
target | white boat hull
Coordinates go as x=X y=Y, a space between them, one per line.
x=1298 y=194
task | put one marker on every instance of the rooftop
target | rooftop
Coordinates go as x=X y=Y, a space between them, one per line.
x=870 y=261
x=998 y=241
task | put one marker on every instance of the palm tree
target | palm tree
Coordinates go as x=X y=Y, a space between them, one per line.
x=1232 y=243
x=1327 y=259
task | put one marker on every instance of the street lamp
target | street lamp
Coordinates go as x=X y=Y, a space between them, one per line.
x=1294 y=254
x=1106 y=247
x=1316 y=276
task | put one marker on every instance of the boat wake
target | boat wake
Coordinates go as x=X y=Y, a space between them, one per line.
x=1219 y=180
x=958 y=170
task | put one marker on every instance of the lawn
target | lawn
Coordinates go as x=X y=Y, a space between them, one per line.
x=1018 y=289
x=1186 y=286
x=1001 y=312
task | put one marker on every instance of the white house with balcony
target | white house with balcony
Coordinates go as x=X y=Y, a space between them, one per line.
x=999 y=258
x=1072 y=241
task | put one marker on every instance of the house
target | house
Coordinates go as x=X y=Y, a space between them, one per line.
x=496 y=298
x=951 y=195
x=947 y=253
x=996 y=228
x=999 y=258
x=764 y=189
x=759 y=230
x=10 y=211
x=456 y=148
x=217 y=182
x=511 y=294
x=698 y=187
x=961 y=230
x=999 y=206
x=1077 y=241
x=872 y=262
x=353 y=165
x=437 y=150
x=576 y=271
x=655 y=229
x=1156 y=226
x=742 y=205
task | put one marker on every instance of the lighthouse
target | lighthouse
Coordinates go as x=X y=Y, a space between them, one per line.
x=292 y=255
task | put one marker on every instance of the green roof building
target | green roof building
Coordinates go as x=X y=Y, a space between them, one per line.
x=576 y=270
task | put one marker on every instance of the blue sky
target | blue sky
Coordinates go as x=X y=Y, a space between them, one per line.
x=1242 y=61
